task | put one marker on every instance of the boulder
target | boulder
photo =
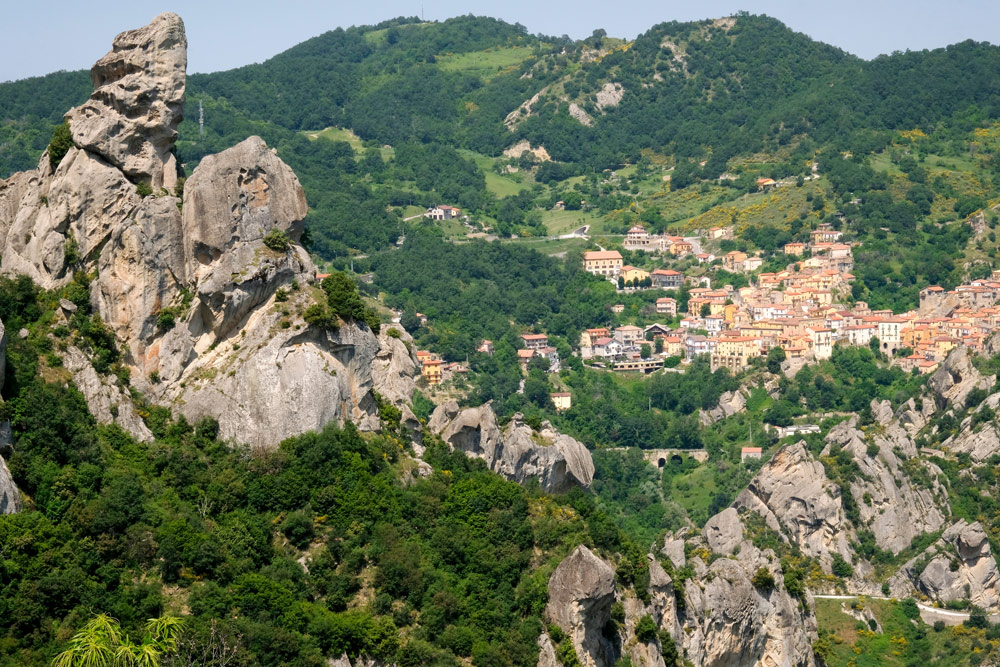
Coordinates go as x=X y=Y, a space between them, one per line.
x=730 y=403
x=107 y=401
x=956 y=377
x=395 y=368
x=581 y=592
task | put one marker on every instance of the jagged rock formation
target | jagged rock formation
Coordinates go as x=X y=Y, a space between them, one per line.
x=581 y=592
x=518 y=453
x=895 y=504
x=138 y=102
x=718 y=618
x=106 y=400
x=730 y=403
x=10 y=495
x=188 y=285
x=794 y=496
x=956 y=377
x=959 y=566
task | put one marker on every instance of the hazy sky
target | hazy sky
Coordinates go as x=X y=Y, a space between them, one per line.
x=40 y=37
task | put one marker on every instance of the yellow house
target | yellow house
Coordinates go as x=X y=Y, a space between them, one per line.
x=433 y=371
x=631 y=273
x=562 y=400
x=603 y=262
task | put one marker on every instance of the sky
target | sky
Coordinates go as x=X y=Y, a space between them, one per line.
x=41 y=37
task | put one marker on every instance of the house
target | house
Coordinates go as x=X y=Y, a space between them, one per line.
x=795 y=248
x=535 y=341
x=607 y=348
x=747 y=453
x=695 y=344
x=679 y=247
x=824 y=234
x=433 y=371
x=628 y=335
x=733 y=261
x=603 y=262
x=563 y=400
x=666 y=306
x=765 y=183
x=654 y=331
x=667 y=278
x=486 y=347
x=822 y=342
x=752 y=264
x=735 y=352
x=637 y=238
x=632 y=274
x=551 y=355
x=618 y=308
x=704 y=257
x=442 y=212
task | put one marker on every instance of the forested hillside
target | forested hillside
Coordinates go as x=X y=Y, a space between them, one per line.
x=410 y=93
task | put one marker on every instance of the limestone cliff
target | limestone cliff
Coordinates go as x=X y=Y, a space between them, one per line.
x=209 y=315
x=518 y=452
x=719 y=617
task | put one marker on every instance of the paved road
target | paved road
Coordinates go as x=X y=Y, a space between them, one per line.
x=928 y=613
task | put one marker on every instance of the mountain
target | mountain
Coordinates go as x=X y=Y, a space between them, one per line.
x=208 y=445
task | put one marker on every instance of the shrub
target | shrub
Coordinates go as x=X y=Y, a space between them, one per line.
x=143 y=189
x=645 y=629
x=277 y=240
x=910 y=609
x=841 y=568
x=298 y=528
x=62 y=141
x=763 y=580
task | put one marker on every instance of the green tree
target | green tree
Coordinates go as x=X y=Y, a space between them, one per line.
x=775 y=357
x=645 y=351
x=62 y=141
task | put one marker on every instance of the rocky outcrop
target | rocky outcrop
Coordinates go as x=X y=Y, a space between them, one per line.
x=724 y=531
x=395 y=368
x=581 y=592
x=956 y=377
x=518 y=452
x=896 y=500
x=107 y=402
x=210 y=315
x=131 y=119
x=959 y=566
x=794 y=496
x=10 y=495
x=730 y=403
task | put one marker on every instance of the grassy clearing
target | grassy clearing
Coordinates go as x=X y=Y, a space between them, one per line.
x=551 y=246
x=346 y=134
x=694 y=491
x=485 y=64
x=563 y=222
x=500 y=185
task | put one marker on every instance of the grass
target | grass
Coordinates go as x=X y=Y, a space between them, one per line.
x=499 y=185
x=845 y=642
x=694 y=491
x=346 y=134
x=485 y=64
x=563 y=222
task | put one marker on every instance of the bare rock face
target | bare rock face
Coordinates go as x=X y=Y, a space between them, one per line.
x=518 y=453
x=896 y=503
x=956 y=377
x=395 y=368
x=10 y=495
x=131 y=119
x=730 y=403
x=724 y=531
x=795 y=498
x=581 y=592
x=107 y=402
x=958 y=566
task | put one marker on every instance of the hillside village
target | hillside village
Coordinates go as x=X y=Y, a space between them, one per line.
x=798 y=313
